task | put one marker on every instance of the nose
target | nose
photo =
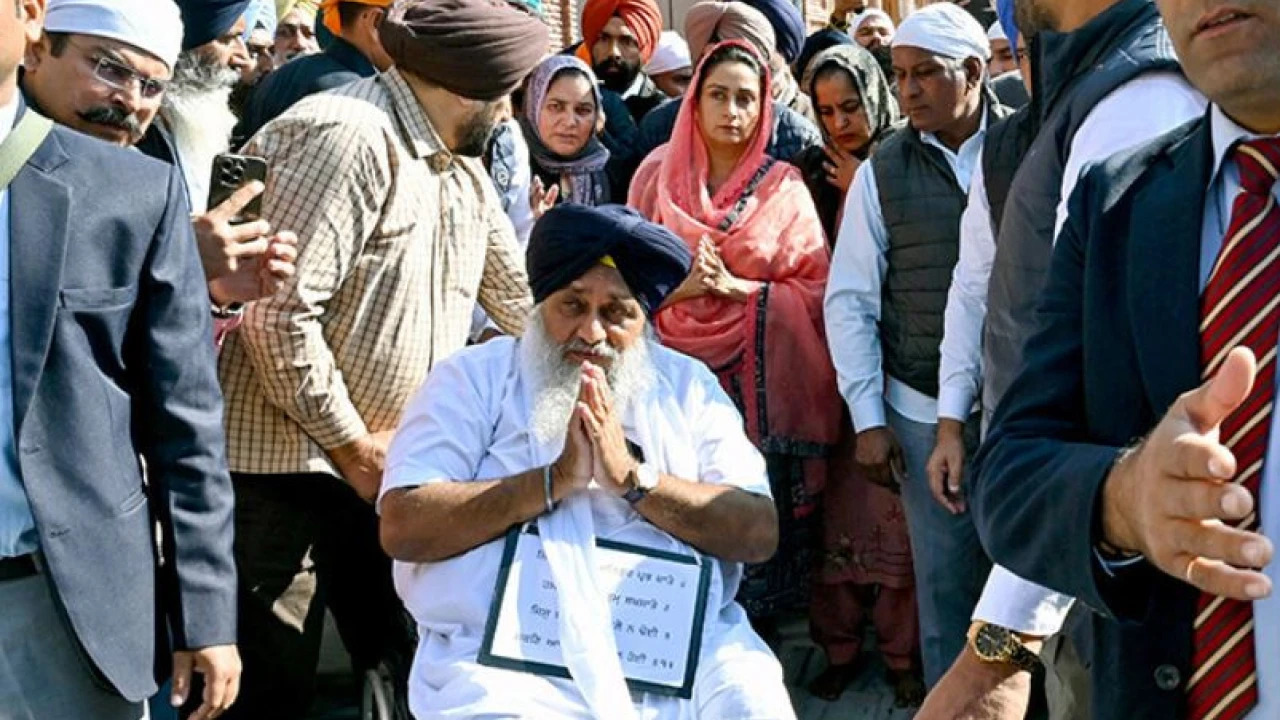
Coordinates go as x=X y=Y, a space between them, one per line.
x=615 y=49
x=591 y=331
x=129 y=97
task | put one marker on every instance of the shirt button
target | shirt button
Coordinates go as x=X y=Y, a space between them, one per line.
x=1168 y=677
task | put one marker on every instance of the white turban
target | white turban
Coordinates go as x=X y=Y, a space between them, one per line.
x=944 y=29
x=866 y=15
x=152 y=26
x=672 y=54
x=996 y=32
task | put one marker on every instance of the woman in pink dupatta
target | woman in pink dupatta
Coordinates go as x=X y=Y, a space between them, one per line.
x=752 y=306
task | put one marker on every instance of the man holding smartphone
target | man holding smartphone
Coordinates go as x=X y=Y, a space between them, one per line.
x=133 y=51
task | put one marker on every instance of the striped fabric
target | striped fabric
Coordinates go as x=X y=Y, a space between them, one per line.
x=1240 y=307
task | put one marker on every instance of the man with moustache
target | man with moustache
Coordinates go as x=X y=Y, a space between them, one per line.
x=103 y=67
x=618 y=38
x=898 y=243
x=399 y=233
x=588 y=426
x=1159 y=322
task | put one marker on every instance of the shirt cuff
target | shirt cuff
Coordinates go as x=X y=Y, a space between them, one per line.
x=955 y=403
x=868 y=414
x=1021 y=605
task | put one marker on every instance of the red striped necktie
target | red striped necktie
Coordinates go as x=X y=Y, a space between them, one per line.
x=1240 y=307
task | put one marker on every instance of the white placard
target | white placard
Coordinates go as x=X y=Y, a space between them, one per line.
x=658 y=600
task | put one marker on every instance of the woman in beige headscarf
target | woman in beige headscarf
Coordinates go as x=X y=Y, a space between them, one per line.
x=708 y=23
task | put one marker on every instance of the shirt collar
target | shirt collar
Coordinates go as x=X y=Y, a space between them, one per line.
x=419 y=134
x=637 y=85
x=932 y=139
x=1226 y=133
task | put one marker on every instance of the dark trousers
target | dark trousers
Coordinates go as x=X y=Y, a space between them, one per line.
x=304 y=543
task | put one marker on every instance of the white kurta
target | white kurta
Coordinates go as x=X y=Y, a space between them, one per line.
x=470 y=421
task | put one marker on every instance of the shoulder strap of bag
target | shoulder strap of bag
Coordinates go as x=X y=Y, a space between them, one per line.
x=21 y=144
x=747 y=192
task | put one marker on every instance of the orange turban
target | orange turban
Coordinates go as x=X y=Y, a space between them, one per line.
x=642 y=17
x=333 y=21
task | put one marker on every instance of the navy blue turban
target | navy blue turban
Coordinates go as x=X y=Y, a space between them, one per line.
x=571 y=239
x=204 y=21
x=788 y=25
x=817 y=42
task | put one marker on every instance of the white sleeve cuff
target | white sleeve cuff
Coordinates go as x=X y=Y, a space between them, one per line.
x=955 y=403
x=1021 y=605
x=868 y=414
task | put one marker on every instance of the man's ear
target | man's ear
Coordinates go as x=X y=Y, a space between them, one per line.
x=974 y=70
x=31 y=13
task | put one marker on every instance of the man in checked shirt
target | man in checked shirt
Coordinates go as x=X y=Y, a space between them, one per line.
x=400 y=232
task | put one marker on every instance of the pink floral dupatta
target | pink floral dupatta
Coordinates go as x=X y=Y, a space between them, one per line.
x=769 y=352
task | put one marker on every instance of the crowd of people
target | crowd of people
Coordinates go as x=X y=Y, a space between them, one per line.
x=919 y=324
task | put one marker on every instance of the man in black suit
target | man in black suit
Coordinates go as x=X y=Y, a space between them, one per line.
x=1160 y=322
x=105 y=340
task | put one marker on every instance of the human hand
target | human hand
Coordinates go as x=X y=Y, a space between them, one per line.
x=946 y=466
x=573 y=471
x=220 y=666
x=253 y=277
x=362 y=462
x=613 y=461
x=880 y=456
x=715 y=275
x=840 y=166
x=541 y=199
x=221 y=243
x=1173 y=499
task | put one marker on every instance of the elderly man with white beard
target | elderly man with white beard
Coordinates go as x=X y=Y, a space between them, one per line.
x=589 y=427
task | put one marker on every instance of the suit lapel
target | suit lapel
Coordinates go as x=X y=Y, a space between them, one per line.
x=1164 y=269
x=39 y=205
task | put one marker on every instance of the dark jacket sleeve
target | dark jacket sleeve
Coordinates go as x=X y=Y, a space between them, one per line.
x=1038 y=476
x=178 y=428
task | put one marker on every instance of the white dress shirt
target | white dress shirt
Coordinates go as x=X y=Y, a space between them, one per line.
x=471 y=421
x=1220 y=195
x=852 y=304
x=1136 y=112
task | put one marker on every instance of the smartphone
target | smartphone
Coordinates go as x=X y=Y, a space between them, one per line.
x=232 y=172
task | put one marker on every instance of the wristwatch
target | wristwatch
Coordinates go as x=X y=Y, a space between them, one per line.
x=995 y=644
x=643 y=479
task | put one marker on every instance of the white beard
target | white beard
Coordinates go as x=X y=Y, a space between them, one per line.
x=556 y=381
x=201 y=124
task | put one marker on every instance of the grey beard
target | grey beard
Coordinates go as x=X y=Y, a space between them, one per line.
x=197 y=111
x=556 y=380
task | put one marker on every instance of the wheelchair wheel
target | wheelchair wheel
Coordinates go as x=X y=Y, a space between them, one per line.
x=378 y=698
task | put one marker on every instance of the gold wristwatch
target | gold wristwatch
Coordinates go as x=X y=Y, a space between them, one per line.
x=995 y=644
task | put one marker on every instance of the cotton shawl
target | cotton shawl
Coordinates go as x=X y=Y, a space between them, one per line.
x=770 y=351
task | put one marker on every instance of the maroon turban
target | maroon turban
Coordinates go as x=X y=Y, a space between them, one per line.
x=479 y=49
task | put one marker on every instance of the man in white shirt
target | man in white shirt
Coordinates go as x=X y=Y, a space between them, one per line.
x=1161 y=302
x=1143 y=96
x=589 y=427
x=899 y=241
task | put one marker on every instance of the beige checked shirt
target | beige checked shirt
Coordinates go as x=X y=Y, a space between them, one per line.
x=396 y=239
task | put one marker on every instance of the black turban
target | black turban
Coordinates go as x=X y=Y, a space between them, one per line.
x=479 y=49
x=571 y=239
x=204 y=21
x=817 y=42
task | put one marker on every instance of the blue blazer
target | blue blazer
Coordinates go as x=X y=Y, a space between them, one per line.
x=113 y=359
x=1118 y=341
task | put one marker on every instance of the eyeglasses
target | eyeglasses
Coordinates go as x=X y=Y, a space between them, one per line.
x=119 y=76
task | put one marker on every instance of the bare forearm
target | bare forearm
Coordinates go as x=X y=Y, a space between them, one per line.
x=724 y=522
x=973 y=690
x=435 y=522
